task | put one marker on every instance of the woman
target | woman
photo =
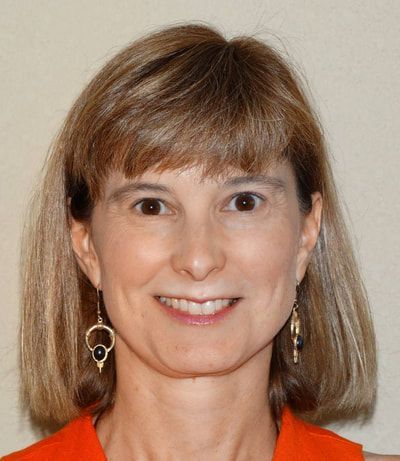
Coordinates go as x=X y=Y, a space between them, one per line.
x=189 y=284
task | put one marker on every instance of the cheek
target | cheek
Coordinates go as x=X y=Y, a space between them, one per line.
x=129 y=260
x=268 y=267
x=269 y=252
x=128 y=254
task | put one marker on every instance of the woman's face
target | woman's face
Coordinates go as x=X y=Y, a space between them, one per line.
x=171 y=235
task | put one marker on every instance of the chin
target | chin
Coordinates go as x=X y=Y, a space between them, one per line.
x=201 y=369
x=196 y=362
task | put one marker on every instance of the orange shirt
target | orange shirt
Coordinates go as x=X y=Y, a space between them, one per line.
x=297 y=441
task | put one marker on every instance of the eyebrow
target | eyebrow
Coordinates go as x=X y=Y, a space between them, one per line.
x=275 y=183
x=263 y=180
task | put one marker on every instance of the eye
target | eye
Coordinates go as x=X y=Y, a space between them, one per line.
x=150 y=206
x=246 y=201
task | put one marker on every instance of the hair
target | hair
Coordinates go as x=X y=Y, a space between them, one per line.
x=186 y=96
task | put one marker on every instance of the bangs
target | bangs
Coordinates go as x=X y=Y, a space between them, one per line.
x=215 y=104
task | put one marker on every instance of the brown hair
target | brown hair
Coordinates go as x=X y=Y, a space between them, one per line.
x=179 y=97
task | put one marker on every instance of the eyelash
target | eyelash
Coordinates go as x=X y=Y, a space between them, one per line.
x=245 y=193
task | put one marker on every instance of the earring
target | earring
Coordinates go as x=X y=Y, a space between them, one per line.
x=295 y=330
x=99 y=351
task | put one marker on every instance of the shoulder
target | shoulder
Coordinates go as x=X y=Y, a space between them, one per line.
x=347 y=444
x=300 y=440
x=375 y=457
x=328 y=442
x=75 y=441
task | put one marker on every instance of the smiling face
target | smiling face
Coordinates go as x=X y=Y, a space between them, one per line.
x=178 y=237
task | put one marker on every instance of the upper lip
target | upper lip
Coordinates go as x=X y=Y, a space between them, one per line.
x=199 y=300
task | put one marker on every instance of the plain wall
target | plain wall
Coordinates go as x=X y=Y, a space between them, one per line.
x=349 y=52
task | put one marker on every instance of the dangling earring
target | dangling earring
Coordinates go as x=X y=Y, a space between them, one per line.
x=295 y=330
x=99 y=351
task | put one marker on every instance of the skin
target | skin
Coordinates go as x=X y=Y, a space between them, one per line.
x=195 y=391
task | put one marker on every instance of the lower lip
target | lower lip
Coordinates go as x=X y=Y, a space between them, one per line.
x=190 y=319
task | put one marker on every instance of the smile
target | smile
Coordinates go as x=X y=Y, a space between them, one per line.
x=194 y=308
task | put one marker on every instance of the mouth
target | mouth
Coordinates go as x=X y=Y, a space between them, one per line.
x=210 y=307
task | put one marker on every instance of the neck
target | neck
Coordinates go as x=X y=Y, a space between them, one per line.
x=158 y=417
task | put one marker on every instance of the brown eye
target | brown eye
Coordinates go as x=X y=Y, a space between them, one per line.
x=246 y=201
x=150 y=206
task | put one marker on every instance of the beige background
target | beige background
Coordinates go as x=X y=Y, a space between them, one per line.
x=350 y=54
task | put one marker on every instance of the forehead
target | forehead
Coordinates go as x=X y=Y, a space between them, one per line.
x=280 y=174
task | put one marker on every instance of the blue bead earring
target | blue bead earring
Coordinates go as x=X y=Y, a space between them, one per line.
x=100 y=351
x=295 y=330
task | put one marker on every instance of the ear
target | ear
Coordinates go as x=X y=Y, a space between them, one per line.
x=311 y=225
x=84 y=250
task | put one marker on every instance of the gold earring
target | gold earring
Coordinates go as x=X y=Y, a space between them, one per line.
x=295 y=330
x=100 y=351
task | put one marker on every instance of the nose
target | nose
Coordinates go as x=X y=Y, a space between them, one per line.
x=199 y=251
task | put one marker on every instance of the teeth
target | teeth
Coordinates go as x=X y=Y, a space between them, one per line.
x=193 y=308
x=207 y=308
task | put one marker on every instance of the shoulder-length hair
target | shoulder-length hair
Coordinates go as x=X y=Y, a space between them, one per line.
x=180 y=97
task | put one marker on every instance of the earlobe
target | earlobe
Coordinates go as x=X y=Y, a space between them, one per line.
x=84 y=251
x=311 y=227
